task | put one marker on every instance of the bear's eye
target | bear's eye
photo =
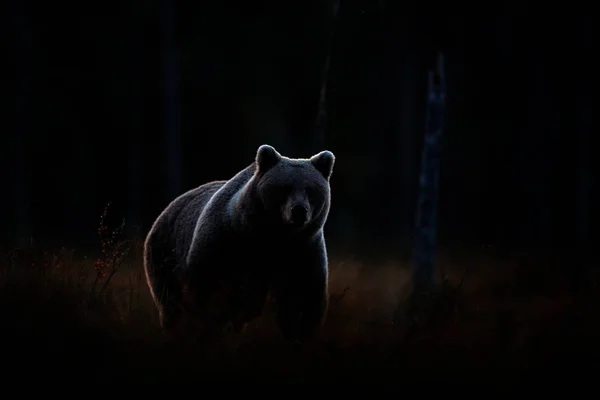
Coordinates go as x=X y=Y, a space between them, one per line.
x=278 y=194
x=313 y=195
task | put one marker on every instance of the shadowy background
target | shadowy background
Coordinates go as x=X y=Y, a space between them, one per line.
x=135 y=102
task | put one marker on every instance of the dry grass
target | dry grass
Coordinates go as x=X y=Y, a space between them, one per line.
x=497 y=320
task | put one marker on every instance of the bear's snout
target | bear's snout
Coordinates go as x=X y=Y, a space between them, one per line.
x=299 y=214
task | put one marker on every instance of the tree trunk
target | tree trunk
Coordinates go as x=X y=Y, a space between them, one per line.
x=584 y=122
x=321 y=120
x=426 y=212
x=136 y=98
x=23 y=128
x=172 y=107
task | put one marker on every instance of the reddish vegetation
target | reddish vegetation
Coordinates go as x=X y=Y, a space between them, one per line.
x=504 y=315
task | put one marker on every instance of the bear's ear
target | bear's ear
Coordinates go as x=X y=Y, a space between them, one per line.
x=323 y=162
x=266 y=158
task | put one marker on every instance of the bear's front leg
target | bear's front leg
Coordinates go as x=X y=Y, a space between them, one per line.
x=301 y=296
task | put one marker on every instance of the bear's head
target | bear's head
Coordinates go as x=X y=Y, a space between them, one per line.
x=294 y=194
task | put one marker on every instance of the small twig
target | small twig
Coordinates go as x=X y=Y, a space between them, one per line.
x=117 y=260
x=113 y=252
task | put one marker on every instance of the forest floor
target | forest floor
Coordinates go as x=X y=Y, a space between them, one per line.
x=507 y=318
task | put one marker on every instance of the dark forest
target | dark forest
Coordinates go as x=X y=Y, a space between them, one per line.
x=121 y=107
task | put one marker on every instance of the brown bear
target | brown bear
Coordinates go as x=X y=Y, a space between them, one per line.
x=217 y=251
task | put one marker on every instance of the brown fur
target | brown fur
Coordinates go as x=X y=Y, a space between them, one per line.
x=217 y=251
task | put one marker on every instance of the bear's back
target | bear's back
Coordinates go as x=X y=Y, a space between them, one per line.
x=183 y=213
